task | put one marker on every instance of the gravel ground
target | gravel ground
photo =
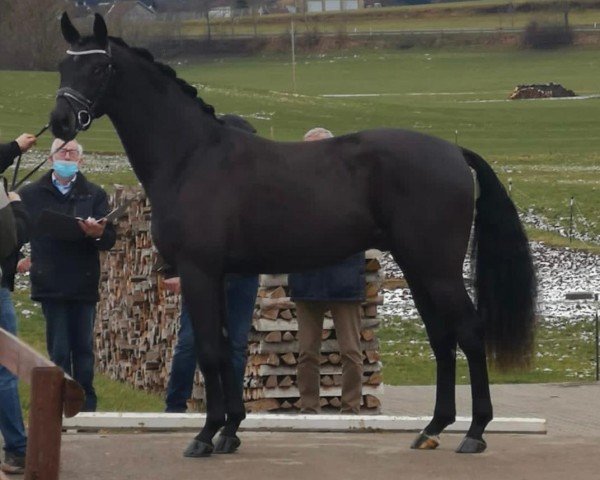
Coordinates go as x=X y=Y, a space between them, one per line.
x=559 y=271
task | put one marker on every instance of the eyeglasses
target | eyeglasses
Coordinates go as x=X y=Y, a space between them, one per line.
x=73 y=154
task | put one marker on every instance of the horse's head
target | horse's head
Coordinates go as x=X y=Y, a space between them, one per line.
x=85 y=79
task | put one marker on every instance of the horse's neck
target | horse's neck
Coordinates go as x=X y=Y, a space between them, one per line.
x=158 y=129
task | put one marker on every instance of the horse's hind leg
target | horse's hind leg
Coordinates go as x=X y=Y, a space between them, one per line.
x=470 y=334
x=454 y=320
x=204 y=299
x=443 y=342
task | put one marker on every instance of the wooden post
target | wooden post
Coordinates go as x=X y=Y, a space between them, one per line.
x=45 y=424
x=52 y=394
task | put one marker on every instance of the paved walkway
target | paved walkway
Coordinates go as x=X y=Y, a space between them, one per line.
x=569 y=408
x=570 y=450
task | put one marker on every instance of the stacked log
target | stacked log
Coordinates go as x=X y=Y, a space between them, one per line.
x=136 y=318
x=543 y=90
x=136 y=328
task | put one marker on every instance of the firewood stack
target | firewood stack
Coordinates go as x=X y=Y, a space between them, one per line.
x=137 y=324
x=136 y=319
x=270 y=382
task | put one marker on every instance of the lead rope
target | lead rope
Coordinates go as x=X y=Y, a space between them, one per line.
x=16 y=184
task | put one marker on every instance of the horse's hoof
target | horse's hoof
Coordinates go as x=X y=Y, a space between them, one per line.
x=225 y=444
x=471 y=445
x=426 y=442
x=198 y=449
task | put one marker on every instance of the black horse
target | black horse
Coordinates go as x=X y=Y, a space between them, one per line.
x=221 y=199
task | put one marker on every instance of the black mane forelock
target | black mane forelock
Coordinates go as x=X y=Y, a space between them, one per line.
x=166 y=70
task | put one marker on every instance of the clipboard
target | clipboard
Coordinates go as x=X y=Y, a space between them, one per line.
x=60 y=226
x=117 y=212
x=66 y=227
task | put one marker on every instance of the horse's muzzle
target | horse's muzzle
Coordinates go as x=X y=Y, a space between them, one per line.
x=62 y=121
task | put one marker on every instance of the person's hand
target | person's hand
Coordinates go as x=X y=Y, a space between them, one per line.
x=24 y=265
x=26 y=141
x=172 y=284
x=92 y=227
x=14 y=197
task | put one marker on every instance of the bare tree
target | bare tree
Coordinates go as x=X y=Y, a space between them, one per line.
x=202 y=7
x=30 y=33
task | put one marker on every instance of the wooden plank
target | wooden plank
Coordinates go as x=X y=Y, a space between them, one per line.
x=262 y=405
x=267 y=325
x=266 y=370
x=281 y=280
x=285 y=347
x=20 y=359
x=334 y=391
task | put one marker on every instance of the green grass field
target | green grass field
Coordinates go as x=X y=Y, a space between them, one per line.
x=547 y=148
x=564 y=351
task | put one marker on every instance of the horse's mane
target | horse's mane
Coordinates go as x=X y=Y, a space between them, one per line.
x=188 y=89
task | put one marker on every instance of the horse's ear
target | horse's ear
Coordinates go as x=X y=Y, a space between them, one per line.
x=100 y=30
x=69 y=31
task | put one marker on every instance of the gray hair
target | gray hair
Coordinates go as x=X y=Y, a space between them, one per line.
x=318 y=132
x=58 y=142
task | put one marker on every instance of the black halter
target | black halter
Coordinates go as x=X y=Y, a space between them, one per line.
x=83 y=108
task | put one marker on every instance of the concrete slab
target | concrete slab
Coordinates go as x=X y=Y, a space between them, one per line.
x=568 y=451
x=328 y=456
x=293 y=422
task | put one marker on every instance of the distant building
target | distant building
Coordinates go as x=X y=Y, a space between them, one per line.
x=123 y=10
x=131 y=11
x=314 y=6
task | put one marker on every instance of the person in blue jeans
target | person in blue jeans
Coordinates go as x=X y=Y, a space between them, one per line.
x=240 y=292
x=11 y=419
x=65 y=271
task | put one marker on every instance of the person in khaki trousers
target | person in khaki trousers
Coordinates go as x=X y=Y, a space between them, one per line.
x=340 y=289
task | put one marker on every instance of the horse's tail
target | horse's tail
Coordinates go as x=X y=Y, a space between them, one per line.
x=505 y=279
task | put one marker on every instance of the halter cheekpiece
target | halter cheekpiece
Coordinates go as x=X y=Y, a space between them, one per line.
x=83 y=107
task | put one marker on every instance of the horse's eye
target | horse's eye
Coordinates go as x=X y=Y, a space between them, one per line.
x=98 y=70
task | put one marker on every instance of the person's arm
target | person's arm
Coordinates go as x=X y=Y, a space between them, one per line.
x=21 y=219
x=8 y=153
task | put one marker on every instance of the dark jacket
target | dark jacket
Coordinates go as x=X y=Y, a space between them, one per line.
x=8 y=152
x=61 y=269
x=344 y=281
x=9 y=264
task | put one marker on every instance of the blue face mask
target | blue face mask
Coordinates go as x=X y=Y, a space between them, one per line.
x=65 y=169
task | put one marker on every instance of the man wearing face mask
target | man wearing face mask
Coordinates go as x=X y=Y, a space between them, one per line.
x=65 y=273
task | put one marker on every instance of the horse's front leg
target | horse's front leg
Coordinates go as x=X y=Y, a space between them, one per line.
x=204 y=297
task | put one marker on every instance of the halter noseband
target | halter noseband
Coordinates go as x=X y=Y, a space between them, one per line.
x=83 y=107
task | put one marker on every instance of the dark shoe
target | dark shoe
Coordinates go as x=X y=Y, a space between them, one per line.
x=176 y=410
x=309 y=411
x=13 y=463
